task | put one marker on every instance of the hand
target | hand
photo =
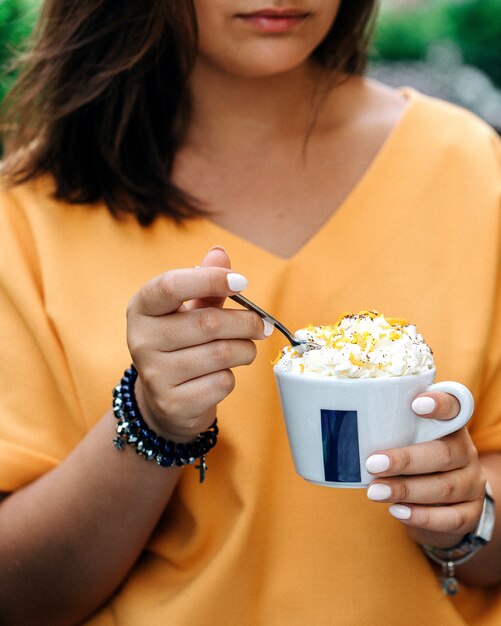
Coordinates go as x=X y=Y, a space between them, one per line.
x=439 y=485
x=184 y=344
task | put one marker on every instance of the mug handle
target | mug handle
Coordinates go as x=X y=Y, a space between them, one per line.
x=430 y=429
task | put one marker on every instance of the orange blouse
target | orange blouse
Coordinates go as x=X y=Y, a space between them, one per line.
x=418 y=237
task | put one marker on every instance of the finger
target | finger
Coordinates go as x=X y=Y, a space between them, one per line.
x=193 y=403
x=216 y=257
x=451 y=452
x=191 y=328
x=442 y=488
x=207 y=358
x=167 y=292
x=455 y=519
x=436 y=405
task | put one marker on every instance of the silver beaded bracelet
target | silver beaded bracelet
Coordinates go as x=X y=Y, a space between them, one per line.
x=132 y=430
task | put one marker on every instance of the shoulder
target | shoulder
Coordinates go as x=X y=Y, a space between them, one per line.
x=34 y=227
x=439 y=119
x=20 y=201
x=24 y=209
x=437 y=125
x=435 y=138
x=35 y=205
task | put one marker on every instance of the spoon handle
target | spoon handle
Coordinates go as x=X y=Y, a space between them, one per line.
x=266 y=316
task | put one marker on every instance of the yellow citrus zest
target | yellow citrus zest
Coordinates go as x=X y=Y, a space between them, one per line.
x=277 y=358
x=355 y=361
x=397 y=321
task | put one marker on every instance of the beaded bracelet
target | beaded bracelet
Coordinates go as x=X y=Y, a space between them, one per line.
x=133 y=430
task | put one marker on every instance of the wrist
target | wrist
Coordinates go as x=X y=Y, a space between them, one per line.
x=466 y=549
x=134 y=431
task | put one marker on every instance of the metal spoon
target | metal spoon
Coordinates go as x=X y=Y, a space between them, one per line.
x=301 y=345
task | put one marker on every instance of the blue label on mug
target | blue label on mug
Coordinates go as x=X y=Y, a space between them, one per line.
x=340 y=446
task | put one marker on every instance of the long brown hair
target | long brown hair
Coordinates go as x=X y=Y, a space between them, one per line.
x=102 y=99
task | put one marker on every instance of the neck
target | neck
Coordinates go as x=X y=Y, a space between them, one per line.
x=229 y=110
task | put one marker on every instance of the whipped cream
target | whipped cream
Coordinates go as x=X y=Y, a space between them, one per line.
x=361 y=345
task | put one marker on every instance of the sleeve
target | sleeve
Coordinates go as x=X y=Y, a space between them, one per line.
x=486 y=425
x=40 y=421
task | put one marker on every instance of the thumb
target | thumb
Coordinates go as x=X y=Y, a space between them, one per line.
x=216 y=257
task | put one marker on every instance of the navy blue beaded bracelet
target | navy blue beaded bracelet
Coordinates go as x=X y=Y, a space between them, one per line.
x=132 y=430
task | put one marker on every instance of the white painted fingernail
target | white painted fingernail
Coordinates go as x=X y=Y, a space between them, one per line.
x=268 y=328
x=423 y=405
x=236 y=282
x=378 y=492
x=377 y=463
x=400 y=511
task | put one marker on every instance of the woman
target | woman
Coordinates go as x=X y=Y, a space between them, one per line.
x=330 y=193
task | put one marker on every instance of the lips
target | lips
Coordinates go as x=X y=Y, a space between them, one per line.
x=274 y=20
x=276 y=13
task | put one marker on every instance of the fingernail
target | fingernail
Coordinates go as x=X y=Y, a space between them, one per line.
x=268 y=328
x=400 y=511
x=236 y=282
x=377 y=463
x=423 y=405
x=217 y=248
x=378 y=492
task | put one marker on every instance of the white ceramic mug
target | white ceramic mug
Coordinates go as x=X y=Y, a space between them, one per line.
x=335 y=424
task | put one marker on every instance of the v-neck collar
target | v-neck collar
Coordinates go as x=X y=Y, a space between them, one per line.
x=344 y=209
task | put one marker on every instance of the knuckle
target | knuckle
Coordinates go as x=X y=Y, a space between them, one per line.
x=471 y=452
x=403 y=460
x=400 y=492
x=196 y=424
x=425 y=518
x=482 y=486
x=251 y=352
x=167 y=285
x=448 y=490
x=214 y=279
x=255 y=324
x=130 y=309
x=221 y=352
x=148 y=376
x=479 y=506
x=208 y=321
x=458 y=522
x=137 y=345
x=167 y=407
x=445 y=453
x=226 y=381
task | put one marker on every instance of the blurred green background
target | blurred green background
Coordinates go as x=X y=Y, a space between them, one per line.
x=447 y=48
x=17 y=18
x=406 y=30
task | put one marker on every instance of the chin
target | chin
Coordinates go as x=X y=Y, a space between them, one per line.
x=264 y=71
x=262 y=65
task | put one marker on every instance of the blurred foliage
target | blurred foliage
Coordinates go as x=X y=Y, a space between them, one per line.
x=17 y=18
x=406 y=33
x=476 y=27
